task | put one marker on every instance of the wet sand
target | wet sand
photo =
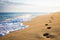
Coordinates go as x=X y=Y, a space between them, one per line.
x=44 y=27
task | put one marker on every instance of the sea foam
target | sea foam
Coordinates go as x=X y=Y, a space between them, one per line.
x=14 y=24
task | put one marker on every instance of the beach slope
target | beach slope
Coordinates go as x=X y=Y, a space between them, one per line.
x=38 y=26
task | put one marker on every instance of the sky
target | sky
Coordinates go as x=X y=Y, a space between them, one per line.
x=29 y=5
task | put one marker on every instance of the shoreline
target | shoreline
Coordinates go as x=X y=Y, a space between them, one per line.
x=37 y=28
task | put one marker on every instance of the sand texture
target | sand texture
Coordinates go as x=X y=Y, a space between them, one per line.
x=38 y=26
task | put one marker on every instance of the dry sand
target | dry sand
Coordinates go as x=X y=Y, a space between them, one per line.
x=37 y=27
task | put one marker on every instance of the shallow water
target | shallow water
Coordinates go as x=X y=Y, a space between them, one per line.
x=13 y=24
x=7 y=15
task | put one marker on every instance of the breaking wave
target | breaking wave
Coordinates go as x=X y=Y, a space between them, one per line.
x=14 y=24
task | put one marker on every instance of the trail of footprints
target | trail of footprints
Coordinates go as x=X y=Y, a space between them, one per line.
x=47 y=35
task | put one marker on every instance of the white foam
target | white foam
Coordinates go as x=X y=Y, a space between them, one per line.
x=10 y=26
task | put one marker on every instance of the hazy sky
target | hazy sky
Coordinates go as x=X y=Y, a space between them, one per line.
x=29 y=5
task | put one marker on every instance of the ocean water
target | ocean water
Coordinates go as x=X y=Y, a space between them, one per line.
x=14 y=23
x=7 y=15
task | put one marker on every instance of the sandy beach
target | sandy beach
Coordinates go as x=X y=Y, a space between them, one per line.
x=38 y=26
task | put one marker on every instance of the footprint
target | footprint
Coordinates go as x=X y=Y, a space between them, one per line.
x=52 y=18
x=48 y=27
x=46 y=24
x=47 y=35
x=50 y=21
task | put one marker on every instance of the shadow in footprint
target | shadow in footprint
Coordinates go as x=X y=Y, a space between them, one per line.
x=46 y=24
x=48 y=27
